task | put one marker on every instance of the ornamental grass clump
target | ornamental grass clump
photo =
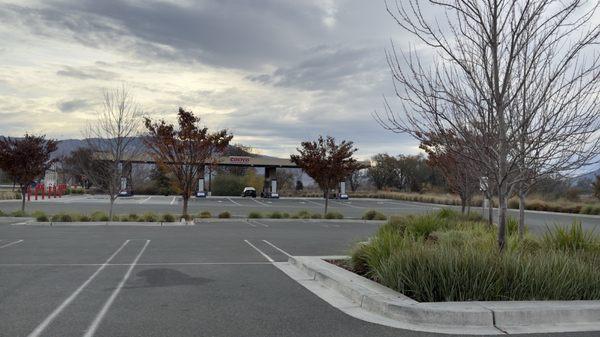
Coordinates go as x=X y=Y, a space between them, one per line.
x=442 y=257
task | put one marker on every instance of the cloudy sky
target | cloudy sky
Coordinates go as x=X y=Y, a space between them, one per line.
x=274 y=72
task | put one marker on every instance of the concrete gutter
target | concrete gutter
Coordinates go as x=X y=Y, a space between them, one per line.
x=395 y=309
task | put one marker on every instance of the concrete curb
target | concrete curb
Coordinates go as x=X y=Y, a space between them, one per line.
x=244 y=219
x=494 y=318
x=105 y=223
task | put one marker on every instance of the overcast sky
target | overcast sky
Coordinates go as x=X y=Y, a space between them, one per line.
x=273 y=72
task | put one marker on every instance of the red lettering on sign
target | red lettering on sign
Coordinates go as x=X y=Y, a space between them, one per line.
x=239 y=160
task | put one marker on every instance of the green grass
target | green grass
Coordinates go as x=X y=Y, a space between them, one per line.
x=150 y=217
x=255 y=215
x=446 y=256
x=18 y=214
x=276 y=215
x=168 y=217
x=334 y=215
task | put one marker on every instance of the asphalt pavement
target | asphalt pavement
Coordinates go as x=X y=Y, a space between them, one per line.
x=214 y=278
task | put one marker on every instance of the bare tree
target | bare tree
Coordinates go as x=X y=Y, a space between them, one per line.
x=488 y=55
x=112 y=138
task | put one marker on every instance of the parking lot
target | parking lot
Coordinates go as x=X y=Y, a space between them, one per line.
x=214 y=278
x=241 y=207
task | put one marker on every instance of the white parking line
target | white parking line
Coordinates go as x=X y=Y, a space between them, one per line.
x=173 y=201
x=143 y=201
x=42 y=326
x=279 y=249
x=346 y=204
x=260 y=223
x=94 y=326
x=260 y=202
x=235 y=202
x=260 y=251
x=312 y=202
x=251 y=224
x=11 y=243
x=125 y=264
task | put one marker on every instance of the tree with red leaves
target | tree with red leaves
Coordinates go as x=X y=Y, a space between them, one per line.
x=26 y=159
x=184 y=152
x=326 y=162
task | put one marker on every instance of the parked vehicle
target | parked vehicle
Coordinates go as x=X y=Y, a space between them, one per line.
x=249 y=192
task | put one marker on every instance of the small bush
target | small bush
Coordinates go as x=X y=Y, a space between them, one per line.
x=285 y=215
x=275 y=215
x=124 y=218
x=334 y=215
x=62 y=217
x=373 y=215
x=168 y=217
x=224 y=215
x=303 y=215
x=255 y=215
x=150 y=217
x=84 y=218
x=40 y=216
x=205 y=215
x=2 y=213
x=316 y=216
x=133 y=217
x=99 y=216
x=18 y=214
x=513 y=203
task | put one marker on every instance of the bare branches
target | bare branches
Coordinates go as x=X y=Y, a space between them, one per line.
x=515 y=80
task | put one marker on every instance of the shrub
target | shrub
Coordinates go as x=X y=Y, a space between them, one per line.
x=167 y=217
x=150 y=217
x=304 y=214
x=18 y=214
x=124 y=218
x=255 y=215
x=40 y=216
x=334 y=215
x=316 y=216
x=62 y=217
x=373 y=215
x=571 y=239
x=224 y=215
x=2 y=213
x=133 y=217
x=513 y=203
x=99 y=216
x=84 y=218
x=275 y=215
x=205 y=215
x=285 y=215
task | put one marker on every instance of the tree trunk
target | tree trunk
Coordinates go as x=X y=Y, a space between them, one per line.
x=23 y=196
x=326 y=201
x=468 y=206
x=521 y=214
x=502 y=217
x=185 y=215
x=463 y=205
x=490 y=212
x=110 y=209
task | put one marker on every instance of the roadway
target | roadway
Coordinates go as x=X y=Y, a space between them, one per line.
x=241 y=207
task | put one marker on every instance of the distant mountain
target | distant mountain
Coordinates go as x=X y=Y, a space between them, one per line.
x=589 y=176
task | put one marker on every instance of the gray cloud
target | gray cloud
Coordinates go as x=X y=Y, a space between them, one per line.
x=85 y=73
x=327 y=74
x=73 y=105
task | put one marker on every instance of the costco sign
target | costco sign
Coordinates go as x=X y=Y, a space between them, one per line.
x=239 y=160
